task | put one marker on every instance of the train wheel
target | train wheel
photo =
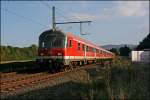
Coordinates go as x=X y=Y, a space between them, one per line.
x=82 y=63
x=61 y=67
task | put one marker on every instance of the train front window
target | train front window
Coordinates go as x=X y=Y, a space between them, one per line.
x=43 y=44
x=52 y=41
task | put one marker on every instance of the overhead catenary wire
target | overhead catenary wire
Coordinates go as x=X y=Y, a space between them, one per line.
x=23 y=17
x=49 y=7
x=68 y=15
x=58 y=11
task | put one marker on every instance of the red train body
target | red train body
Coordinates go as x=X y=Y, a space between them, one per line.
x=56 y=47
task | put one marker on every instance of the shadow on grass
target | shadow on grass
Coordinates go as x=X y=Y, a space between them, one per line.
x=130 y=83
x=22 y=67
x=66 y=91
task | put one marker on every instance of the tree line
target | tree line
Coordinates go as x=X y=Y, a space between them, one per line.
x=144 y=44
x=125 y=51
x=9 y=53
x=122 y=51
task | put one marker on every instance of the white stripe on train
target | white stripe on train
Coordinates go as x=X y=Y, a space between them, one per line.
x=70 y=57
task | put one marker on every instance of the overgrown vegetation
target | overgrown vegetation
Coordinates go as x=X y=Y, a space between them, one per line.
x=9 y=53
x=123 y=81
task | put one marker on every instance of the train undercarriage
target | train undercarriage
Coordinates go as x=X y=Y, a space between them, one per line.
x=54 y=65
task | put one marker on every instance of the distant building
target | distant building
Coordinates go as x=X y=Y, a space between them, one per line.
x=141 y=56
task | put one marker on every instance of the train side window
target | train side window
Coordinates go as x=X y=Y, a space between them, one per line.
x=101 y=52
x=91 y=49
x=83 y=47
x=70 y=43
x=94 y=50
x=97 y=51
x=87 y=48
x=78 y=46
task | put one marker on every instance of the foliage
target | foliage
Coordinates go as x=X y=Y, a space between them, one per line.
x=123 y=80
x=144 y=44
x=124 y=51
x=114 y=50
x=9 y=53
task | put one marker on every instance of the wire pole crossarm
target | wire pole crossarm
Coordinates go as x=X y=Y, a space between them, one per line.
x=73 y=22
x=80 y=22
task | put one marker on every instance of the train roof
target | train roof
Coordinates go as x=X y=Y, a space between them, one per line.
x=57 y=32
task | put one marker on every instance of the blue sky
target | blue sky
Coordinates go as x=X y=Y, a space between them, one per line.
x=113 y=22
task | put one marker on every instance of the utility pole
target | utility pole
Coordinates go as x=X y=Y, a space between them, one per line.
x=80 y=29
x=54 y=23
x=53 y=19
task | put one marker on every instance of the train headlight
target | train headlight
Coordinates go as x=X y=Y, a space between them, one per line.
x=41 y=54
x=59 y=54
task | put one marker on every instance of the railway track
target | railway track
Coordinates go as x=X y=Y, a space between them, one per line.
x=10 y=86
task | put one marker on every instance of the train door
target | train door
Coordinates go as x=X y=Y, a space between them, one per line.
x=95 y=53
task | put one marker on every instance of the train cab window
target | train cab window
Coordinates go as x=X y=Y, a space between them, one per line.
x=70 y=43
x=78 y=46
x=83 y=47
x=43 y=44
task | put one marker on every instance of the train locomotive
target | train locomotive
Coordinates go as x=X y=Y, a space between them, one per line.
x=61 y=51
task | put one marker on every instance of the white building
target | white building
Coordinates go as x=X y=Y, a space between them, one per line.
x=141 y=56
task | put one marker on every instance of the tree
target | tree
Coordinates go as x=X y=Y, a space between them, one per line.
x=124 y=51
x=144 y=44
x=114 y=50
x=16 y=53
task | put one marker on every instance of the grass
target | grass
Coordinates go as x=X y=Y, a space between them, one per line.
x=123 y=81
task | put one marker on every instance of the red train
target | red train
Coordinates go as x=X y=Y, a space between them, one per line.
x=67 y=50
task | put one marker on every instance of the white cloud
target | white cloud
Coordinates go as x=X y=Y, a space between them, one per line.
x=85 y=16
x=132 y=8
x=84 y=4
x=120 y=9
